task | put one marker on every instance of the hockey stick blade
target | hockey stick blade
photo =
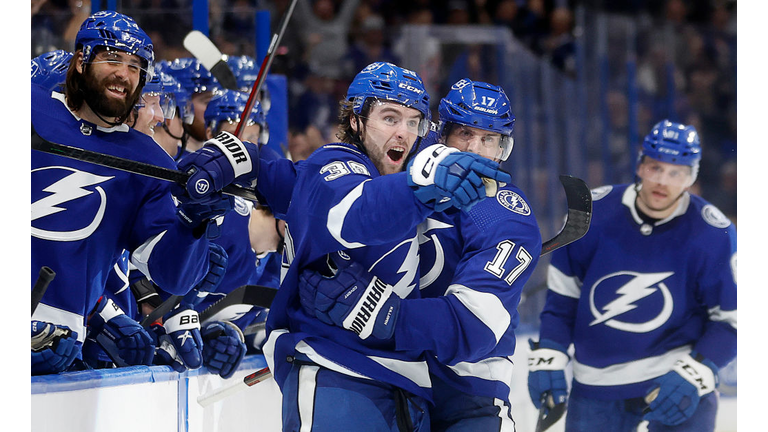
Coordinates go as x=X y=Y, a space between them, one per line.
x=222 y=392
x=579 y=199
x=238 y=302
x=166 y=306
x=204 y=50
x=41 y=285
x=134 y=167
x=549 y=413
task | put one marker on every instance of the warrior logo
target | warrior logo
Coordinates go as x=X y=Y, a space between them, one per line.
x=635 y=287
x=60 y=196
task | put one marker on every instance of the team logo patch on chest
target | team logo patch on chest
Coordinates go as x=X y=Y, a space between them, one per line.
x=513 y=202
x=630 y=301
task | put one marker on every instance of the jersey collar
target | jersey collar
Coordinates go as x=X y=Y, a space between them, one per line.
x=119 y=128
x=630 y=195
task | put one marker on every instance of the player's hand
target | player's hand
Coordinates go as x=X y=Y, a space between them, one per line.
x=182 y=326
x=203 y=216
x=54 y=347
x=224 y=347
x=165 y=351
x=221 y=161
x=680 y=390
x=546 y=372
x=352 y=299
x=442 y=177
x=217 y=267
x=122 y=338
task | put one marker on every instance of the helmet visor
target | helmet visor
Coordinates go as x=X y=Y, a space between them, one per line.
x=653 y=171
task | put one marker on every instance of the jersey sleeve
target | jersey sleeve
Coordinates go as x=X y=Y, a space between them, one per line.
x=717 y=291
x=564 y=278
x=478 y=314
x=275 y=184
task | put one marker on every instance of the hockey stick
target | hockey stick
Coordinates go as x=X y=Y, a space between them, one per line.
x=41 y=285
x=238 y=302
x=264 y=68
x=166 y=306
x=549 y=413
x=204 y=50
x=222 y=392
x=41 y=144
x=579 y=199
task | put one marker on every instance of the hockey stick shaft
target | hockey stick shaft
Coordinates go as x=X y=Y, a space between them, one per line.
x=135 y=167
x=265 y=65
x=41 y=285
x=228 y=390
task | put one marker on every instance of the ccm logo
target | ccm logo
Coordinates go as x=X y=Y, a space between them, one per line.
x=410 y=88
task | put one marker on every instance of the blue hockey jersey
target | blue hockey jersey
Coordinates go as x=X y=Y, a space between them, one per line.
x=634 y=297
x=342 y=209
x=474 y=266
x=84 y=215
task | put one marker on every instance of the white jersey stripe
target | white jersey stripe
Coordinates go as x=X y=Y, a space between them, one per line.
x=728 y=317
x=306 y=396
x=559 y=282
x=338 y=212
x=485 y=306
x=630 y=372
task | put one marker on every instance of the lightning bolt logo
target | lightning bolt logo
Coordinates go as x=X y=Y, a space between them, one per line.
x=439 y=260
x=639 y=287
x=63 y=191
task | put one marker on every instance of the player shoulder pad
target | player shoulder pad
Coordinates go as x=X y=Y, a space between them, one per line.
x=710 y=214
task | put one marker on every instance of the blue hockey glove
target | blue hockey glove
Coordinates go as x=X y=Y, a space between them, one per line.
x=54 y=347
x=680 y=390
x=224 y=347
x=442 y=177
x=182 y=326
x=203 y=214
x=124 y=340
x=352 y=299
x=546 y=372
x=221 y=161
x=217 y=267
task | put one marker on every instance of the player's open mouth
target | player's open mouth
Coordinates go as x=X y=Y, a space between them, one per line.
x=117 y=90
x=395 y=154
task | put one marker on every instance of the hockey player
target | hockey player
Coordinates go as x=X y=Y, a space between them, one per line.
x=474 y=265
x=84 y=215
x=201 y=85
x=647 y=298
x=49 y=70
x=173 y=135
x=352 y=203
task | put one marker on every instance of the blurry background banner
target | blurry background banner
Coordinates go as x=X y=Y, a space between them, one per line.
x=587 y=79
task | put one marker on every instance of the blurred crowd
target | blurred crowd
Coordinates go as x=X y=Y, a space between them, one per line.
x=328 y=41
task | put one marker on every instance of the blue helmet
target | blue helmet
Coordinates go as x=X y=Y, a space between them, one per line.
x=246 y=71
x=166 y=87
x=386 y=81
x=182 y=96
x=479 y=105
x=191 y=74
x=228 y=105
x=115 y=30
x=673 y=143
x=49 y=70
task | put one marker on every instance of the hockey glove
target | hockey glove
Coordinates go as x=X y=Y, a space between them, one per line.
x=165 y=351
x=199 y=216
x=680 y=389
x=54 y=347
x=442 y=177
x=217 y=267
x=124 y=340
x=224 y=347
x=546 y=372
x=352 y=299
x=182 y=326
x=222 y=160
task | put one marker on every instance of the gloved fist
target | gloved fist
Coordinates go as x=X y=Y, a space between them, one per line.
x=224 y=347
x=442 y=177
x=54 y=347
x=202 y=215
x=220 y=162
x=217 y=267
x=546 y=372
x=680 y=390
x=352 y=299
x=122 y=338
x=182 y=326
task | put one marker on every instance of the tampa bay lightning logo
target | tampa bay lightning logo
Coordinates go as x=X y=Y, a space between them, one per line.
x=601 y=192
x=513 y=202
x=241 y=207
x=71 y=206
x=632 y=302
x=713 y=216
x=202 y=186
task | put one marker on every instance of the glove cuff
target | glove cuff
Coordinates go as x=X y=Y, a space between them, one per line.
x=698 y=372
x=546 y=355
x=368 y=307
x=235 y=152
x=422 y=168
x=108 y=309
x=184 y=320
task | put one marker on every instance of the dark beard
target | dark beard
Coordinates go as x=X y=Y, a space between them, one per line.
x=93 y=94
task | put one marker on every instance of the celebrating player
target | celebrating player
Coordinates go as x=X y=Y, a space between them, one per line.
x=474 y=265
x=84 y=215
x=352 y=203
x=647 y=298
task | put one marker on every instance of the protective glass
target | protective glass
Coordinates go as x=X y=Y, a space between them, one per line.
x=116 y=58
x=391 y=118
x=653 y=171
x=485 y=143
x=165 y=101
